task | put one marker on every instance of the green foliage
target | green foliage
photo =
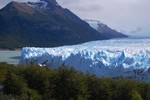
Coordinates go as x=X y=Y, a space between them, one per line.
x=144 y=91
x=135 y=95
x=6 y=97
x=14 y=84
x=4 y=68
x=125 y=87
x=46 y=83
x=66 y=86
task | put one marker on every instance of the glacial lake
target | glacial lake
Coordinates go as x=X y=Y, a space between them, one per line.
x=11 y=57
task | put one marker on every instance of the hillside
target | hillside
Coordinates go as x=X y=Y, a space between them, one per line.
x=42 y=24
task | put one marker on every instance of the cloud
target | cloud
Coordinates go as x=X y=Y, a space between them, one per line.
x=138 y=29
x=118 y=14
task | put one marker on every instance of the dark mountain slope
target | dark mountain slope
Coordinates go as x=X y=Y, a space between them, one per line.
x=42 y=24
x=30 y=24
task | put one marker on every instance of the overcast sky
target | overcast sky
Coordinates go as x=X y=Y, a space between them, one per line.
x=131 y=17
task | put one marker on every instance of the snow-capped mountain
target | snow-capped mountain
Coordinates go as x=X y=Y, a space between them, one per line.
x=42 y=24
x=109 y=58
x=104 y=29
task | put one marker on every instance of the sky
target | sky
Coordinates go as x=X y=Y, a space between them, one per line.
x=131 y=17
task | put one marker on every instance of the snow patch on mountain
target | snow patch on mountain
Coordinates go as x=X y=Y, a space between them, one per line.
x=104 y=29
x=94 y=23
x=111 y=58
x=39 y=4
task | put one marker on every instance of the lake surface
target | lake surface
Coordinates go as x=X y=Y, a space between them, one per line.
x=11 y=57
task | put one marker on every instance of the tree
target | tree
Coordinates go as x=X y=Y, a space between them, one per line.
x=14 y=84
x=66 y=85
x=4 y=67
x=144 y=89
x=134 y=95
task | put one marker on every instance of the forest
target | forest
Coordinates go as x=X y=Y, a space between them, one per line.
x=32 y=82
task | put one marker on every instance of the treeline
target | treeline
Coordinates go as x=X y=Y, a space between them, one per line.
x=46 y=83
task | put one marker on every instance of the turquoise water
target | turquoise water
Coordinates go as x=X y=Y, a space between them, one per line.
x=11 y=57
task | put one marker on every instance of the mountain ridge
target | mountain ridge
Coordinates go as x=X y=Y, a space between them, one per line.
x=26 y=25
x=104 y=29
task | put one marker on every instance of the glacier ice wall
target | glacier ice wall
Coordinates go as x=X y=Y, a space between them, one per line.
x=111 y=58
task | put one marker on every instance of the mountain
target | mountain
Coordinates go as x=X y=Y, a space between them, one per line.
x=42 y=24
x=104 y=29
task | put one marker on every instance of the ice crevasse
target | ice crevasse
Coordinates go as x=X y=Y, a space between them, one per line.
x=110 y=58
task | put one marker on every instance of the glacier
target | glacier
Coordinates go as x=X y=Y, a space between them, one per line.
x=129 y=58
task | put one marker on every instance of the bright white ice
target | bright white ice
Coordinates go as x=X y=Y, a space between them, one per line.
x=110 y=58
